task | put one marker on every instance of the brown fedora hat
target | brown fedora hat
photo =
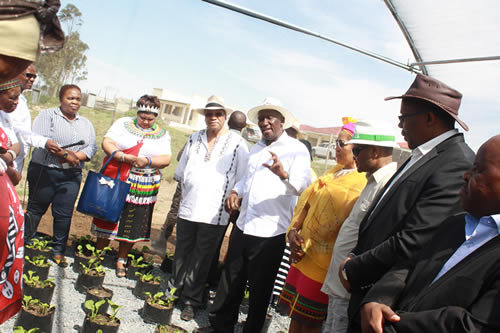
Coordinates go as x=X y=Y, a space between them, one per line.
x=436 y=92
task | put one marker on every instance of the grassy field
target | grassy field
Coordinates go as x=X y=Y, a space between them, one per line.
x=102 y=120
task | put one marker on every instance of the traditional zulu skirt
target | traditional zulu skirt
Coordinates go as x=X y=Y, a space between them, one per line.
x=302 y=298
x=135 y=221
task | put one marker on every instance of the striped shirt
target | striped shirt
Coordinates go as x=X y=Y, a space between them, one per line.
x=51 y=123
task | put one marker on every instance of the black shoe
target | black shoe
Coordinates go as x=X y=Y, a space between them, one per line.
x=187 y=313
x=208 y=329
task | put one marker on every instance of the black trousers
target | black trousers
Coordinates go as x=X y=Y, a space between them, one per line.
x=253 y=259
x=194 y=251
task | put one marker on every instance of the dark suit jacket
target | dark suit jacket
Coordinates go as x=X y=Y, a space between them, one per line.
x=464 y=299
x=408 y=215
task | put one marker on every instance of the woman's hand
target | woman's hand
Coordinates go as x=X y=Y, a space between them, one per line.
x=129 y=159
x=141 y=162
x=71 y=158
x=295 y=241
x=52 y=146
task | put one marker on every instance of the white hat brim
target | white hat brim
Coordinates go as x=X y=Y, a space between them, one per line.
x=202 y=110
x=253 y=114
x=392 y=144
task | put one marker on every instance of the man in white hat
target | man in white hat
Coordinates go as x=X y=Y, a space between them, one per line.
x=213 y=160
x=278 y=171
x=373 y=144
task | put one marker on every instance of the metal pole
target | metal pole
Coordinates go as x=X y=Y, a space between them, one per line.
x=452 y=61
x=284 y=24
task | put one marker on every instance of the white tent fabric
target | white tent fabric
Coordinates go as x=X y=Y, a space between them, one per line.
x=455 y=29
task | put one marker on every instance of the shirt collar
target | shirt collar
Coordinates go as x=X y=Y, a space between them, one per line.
x=426 y=147
x=471 y=222
x=283 y=137
x=380 y=174
x=77 y=115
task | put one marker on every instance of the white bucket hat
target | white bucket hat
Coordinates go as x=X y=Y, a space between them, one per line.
x=214 y=103
x=271 y=103
x=373 y=133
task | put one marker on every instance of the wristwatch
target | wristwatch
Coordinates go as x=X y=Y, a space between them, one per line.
x=344 y=274
x=65 y=155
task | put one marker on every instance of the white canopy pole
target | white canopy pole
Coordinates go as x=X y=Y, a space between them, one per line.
x=284 y=24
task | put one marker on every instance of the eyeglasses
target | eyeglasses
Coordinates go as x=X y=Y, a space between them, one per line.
x=340 y=143
x=403 y=117
x=30 y=75
x=217 y=114
x=357 y=150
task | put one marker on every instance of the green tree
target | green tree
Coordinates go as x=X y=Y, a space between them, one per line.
x=69 y=64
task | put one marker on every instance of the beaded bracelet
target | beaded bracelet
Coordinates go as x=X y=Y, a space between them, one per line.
x=150 y=161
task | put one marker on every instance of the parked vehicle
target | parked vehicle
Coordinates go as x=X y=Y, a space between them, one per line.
x=251 y=134
x=322 y=149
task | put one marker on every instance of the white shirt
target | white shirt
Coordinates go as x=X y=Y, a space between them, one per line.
x=21 y=120
x=268 y=202
x=418 y=153
x=208 y=177
x=348 y=233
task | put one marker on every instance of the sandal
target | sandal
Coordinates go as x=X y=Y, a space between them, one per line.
x=121 y=272
x=60 y=260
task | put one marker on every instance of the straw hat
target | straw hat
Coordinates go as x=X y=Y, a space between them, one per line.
x=214 y=103
x=271 y=103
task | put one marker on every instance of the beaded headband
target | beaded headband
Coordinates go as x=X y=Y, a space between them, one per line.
x=144 y=108
x=9 y=84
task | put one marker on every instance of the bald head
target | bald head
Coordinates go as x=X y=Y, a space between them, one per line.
x=237 y=121
x=481 y=193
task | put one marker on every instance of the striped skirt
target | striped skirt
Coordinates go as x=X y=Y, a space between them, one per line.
x=135 y=220
x=303 y=300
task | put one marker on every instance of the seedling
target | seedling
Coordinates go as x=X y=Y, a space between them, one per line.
x=40 y=261
x=114 y=309
x=159 y=298
x=20 y=329
x=148 y=277
x=34 y=304
x=33 y=280
x=93 y=266
x=40 y=244
x=139 y=261
x=94 y=307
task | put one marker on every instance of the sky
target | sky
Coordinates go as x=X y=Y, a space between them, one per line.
x=194 y=48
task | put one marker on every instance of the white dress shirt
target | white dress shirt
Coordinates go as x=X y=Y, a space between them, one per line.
x=268 y=201
x=208 y=177
x=348 y=233
x=417 y=154
x=21 y=120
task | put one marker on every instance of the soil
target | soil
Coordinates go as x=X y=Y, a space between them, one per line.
x=100 y=292
x=104 y=319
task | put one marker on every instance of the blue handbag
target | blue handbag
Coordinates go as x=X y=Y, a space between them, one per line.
x=103 y=197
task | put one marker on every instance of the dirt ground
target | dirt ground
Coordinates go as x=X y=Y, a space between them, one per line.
x=80 y=224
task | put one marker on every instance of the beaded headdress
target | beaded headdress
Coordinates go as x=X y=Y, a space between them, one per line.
x=145 y=108
x=9 y=84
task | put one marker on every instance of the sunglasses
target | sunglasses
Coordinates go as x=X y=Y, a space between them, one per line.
x=217 y=114
x=403 y=117
x=30 y=75
x=357 y=150
x=340 y=143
